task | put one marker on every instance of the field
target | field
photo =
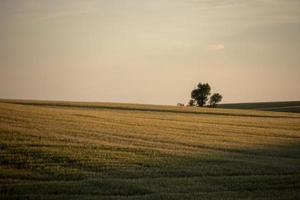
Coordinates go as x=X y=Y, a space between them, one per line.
x=74 y=150
x=284 y=106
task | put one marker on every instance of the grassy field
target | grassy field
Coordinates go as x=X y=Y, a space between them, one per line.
x=284 y=106
x=65 y=150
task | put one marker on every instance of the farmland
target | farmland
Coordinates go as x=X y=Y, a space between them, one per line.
x=78 y=150
x=284 y=106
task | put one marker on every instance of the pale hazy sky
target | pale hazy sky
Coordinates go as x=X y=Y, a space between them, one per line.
x=149 y=51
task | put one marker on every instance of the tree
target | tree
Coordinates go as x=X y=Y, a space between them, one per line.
x=201 y=93
x=215 y=99
x=191 y=102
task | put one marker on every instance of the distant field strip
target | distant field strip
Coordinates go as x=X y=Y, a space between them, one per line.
x=292 y=108
x=77 y=150
x=150 y=108
x=288 y=106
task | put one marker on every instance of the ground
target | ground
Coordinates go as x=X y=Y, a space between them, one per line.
x=69 y=150
x=281 y=106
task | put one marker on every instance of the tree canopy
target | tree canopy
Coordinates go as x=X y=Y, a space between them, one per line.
x=214 y=99
x=200 y=96
x=201 y=93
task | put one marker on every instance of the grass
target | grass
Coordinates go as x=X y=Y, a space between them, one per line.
x=284 y=106
x=77 y=150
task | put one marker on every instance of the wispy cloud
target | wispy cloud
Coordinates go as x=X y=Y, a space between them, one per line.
x=217 y=3
x=215 y=47
x=60 y=14
x=38 y=11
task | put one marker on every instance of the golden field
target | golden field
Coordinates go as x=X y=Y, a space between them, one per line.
x=78 y=150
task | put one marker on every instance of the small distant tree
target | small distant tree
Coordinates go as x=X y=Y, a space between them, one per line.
x=201 y=93
x=191 y=102
x=215 y=99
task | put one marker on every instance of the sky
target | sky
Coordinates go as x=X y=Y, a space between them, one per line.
x=152 y=52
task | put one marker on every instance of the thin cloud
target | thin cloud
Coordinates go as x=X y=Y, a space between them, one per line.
x=215 y=47
x=63 y=14
x=217 y=3
x=49 y=10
